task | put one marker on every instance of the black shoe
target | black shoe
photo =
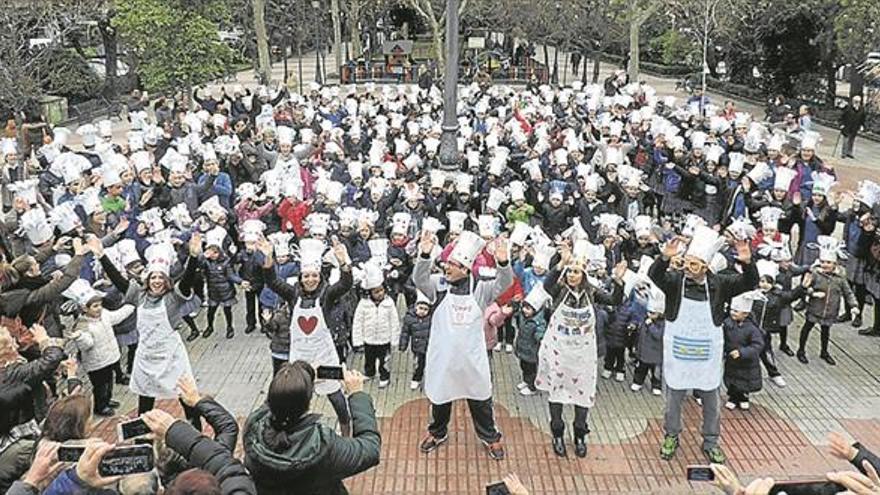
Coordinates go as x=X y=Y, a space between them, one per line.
x=113 y=403
x=580 y=447
x=194 y=334
x=207 y=333
x=803 y=358
x=230 y=332
x=430 y=443
x=496 y=450
x=857 y=322
x=106 y=412
x=845 y=317
x=870 y=332
x=828 y=359
x=786 y=350
x=250 y=329
x=558 y=446
x=122 y=379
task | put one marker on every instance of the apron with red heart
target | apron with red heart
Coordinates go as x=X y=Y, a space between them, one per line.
x=567 y=358
x=311 y=341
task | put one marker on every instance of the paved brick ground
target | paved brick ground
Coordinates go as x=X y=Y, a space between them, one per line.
x=782 y=436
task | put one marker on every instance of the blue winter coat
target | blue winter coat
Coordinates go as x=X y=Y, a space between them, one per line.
x=743 y=373
x=528 y=338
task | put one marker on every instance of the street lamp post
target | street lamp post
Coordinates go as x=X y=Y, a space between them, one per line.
x=449 y=155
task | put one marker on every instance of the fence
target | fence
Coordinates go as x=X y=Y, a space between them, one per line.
x=352 y=73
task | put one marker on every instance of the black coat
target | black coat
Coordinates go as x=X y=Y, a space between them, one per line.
x=722 y=287
x=316 y=459
x=212 y=456
x=769 y=314
x=743 y=373
x=415 y=332
x=852 y=120
x=21 y=381
x=221 y=279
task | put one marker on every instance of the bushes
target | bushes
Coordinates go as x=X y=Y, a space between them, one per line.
x=64 y=73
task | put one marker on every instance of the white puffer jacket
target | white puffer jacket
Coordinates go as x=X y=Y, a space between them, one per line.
x=375 y=324
x=96 y=341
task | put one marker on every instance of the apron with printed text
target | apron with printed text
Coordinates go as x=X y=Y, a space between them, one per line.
x=693 y=347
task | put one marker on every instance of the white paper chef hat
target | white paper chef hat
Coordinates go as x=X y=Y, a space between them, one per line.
x=252 y=230
x=463 y=183
x=127 y=251
x=488 y=225
x=141 y=161
x=496 y=199
x=88 y=133
x=770 y=216
x=822 y=183
x=520 y=234
x=705 y=243
x=160 y=257
x=759 y=173
x=767 y=268
x=318 y=223
x=830 y=248
x=656 y=300
x=373 y=276
x=81 y=292
x=608 y=223
x=64 y=217
x=311 y=253
x=517 y=190
x=8 y=147
x=736 y=163
x=642 y=225
x=90 y=200
x=810 y=140
x=742 y=229
x=690 y=224
x=26 y=190
x=543 y=254
x=537 y=298
x=400 y=223
x=783 y=178
x=467 y=246
x=37 y=227
x=744 y=301
x=456 y=221
x=868 y=193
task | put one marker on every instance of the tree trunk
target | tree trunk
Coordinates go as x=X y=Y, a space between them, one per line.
x=337 y=35
x=108 y=38
x=856 y=83
x=264 y=67
x=353 y=16
x=633 y=69
x=439 y=51
x=546 y=56
x=596 y=68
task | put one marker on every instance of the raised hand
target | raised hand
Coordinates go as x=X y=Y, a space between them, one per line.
x=195 y=244
x=671 y=248
x=743 y=251
x=426 y=243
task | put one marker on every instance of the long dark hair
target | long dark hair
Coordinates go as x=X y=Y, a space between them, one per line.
x=290 y=395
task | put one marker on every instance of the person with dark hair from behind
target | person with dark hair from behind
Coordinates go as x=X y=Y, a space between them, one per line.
x=289 y=451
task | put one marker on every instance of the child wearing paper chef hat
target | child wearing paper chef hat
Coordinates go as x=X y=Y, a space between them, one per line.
x=743 y=342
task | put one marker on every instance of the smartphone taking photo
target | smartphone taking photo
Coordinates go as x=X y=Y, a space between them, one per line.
x=127 y=430
x=330 y=373
x=700 y=473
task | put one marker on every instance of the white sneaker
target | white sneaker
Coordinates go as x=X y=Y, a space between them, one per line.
x=699 y=401
x=497 y=347
x=383 y=383
x=526 y=391
x=635 y=387
x=730 y=405
x=520 y=385
x=508 y=348
x=606 y=374
x=656 y=391
x=778 y=381
x=744 y=406
x=619 y=377
x=414 y=385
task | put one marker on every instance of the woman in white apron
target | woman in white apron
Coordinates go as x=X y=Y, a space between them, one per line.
x=457 y=361
x=161 y=358
x=310 y=300
x=568 y=356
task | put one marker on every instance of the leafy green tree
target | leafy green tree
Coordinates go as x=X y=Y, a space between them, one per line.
x=174 y=42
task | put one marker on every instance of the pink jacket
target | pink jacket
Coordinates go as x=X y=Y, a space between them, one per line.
x=243 y=213
x=493 y=319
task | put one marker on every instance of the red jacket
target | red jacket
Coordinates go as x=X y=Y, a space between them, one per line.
x=293 y=215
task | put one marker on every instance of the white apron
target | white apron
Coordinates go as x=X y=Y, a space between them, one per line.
x=457 y=363
x=310 y=341
x=693 y=347
x=567 y=358
x=161 y=358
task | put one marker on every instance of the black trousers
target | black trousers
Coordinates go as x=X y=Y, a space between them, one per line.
x=557 y=425
x=736 y=395
x=419 y=372
x=251 y=300
x=641 y=372
x=507 y=332
x=192 y=415
x=529 y=373
x=102 y=385
x=614 y=359
x=768 y=357
x=805 y=335
x=482 y=414
x=227 y=312
x=373 y=354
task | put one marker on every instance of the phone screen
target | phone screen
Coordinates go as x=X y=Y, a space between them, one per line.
x=700 y=473
x=127 y=460
x=497 y=489
x=330 y=372
x=70 y=453
x=818 y=487
x=132 y=429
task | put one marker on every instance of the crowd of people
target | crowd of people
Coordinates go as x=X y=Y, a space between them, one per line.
x=589 y=230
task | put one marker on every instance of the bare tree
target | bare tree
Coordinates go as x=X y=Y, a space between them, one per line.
x=434 y=13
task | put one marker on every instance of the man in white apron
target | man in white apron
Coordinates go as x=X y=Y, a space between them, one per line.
x=457 y=361
x=693 y=343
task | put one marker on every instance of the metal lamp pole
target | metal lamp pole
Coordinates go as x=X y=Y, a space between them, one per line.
x=316 y=5
x=449 y=155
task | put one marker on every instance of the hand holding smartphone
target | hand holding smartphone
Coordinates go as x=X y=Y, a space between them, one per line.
x=129 y=459
x=330 y=373
x=126 y=430
x=700 y=473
